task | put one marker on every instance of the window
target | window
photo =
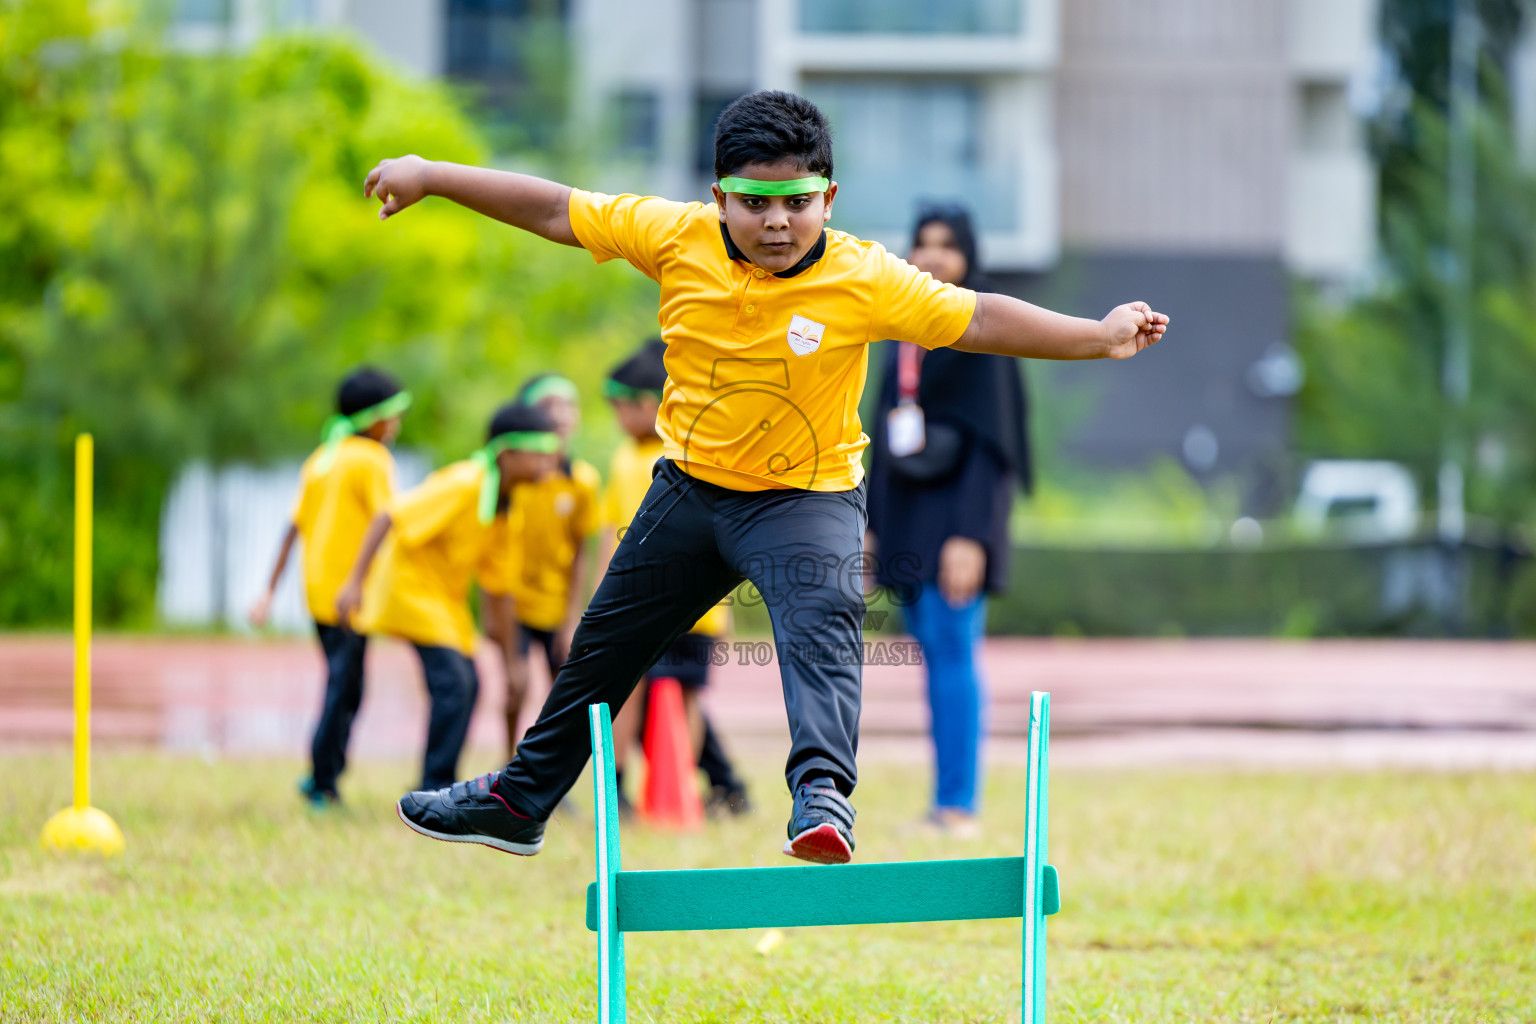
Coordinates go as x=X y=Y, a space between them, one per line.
x=902 y=142
x=637 y=123
x=482 y=37
x=489 y=38
x=979 y=17
x=708 y=110
x=513 y=58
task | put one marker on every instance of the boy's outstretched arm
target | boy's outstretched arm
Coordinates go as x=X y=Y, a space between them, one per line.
x=261 y=611
x=1006 y=326
x=521 y=200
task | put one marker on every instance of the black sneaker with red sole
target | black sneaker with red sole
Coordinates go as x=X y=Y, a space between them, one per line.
x=471 y=812
x=821 y=826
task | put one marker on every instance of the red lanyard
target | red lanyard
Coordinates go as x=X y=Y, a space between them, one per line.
x=909 y=363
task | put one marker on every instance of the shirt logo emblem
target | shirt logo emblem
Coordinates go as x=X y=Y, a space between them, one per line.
x=804 y=335
x=564 y=504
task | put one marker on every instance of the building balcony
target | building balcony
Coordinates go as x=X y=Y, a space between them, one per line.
x=1330 y=39
x=906 y=37
x=1331 y=215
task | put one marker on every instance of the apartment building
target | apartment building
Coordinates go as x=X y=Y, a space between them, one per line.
x=1208 y=176
x=409 y=33
x=1203 y=154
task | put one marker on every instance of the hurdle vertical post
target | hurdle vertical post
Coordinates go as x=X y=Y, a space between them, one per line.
x=81 y=826
x=1041 y=893
x=611 y=993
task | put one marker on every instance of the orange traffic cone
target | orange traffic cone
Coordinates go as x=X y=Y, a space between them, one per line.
x=671 y=797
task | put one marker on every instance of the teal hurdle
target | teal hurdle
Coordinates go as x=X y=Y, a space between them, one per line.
x=796 y=897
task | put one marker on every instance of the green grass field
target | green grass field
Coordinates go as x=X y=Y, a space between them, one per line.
x=1187 y=897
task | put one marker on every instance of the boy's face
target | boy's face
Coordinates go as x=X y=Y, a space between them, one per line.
x=636 y=416
x=564 y=413
x=774 y=232
x=385 y=431
x=521 y=467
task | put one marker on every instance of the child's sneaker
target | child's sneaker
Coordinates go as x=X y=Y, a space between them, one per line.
x=821 y=826
x=471 y=812
x=317 y=798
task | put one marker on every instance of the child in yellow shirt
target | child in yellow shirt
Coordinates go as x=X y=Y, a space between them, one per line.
x=424 y=550
x=634 y=390
x=342 y=486
x=767 y=314
x=551 y=523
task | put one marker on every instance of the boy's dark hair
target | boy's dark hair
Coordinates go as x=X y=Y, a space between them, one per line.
x=518 y=418
x=364 y=388
x=645 y=370
x=767 y=126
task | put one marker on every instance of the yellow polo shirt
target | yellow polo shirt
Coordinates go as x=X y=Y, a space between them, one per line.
x=332 y=512
x=549 y=522
x=629 y=477
x=419 y=586
x=764 y=374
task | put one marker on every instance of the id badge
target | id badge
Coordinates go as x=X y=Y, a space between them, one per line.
x=904 y=434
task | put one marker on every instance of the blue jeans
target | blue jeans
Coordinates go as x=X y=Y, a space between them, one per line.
x=950 y=638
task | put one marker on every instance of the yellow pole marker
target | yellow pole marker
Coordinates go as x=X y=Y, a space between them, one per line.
x=83 y=827
x=85 y=505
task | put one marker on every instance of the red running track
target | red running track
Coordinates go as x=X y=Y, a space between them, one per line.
x=1245 y=702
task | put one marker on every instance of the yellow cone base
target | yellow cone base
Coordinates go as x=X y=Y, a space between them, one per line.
x=83 y=830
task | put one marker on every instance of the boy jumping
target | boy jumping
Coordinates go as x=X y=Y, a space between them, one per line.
x=767 y=316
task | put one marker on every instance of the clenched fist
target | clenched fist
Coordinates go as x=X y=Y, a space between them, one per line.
x=1132 y=327
x=398 y=183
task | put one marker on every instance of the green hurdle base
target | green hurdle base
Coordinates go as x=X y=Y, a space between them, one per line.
x=795 y=897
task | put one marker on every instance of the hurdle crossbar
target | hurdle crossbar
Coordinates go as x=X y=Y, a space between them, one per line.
x=816 y=895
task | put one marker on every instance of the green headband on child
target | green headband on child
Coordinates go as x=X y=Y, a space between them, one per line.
x=623 y=392
x=338 y=428
x=792 y=187
x=552 y=385
x=542 y=441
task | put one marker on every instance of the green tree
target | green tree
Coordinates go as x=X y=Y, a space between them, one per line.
x=190 y=265
x=1374 y=365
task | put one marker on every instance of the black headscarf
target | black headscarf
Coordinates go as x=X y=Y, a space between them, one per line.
x=980 y=393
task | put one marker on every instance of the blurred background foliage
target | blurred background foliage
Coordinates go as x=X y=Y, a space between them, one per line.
x=188 y=265
x=1374 y=378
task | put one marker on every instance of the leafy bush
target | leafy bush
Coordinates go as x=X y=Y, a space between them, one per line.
x=189 y=265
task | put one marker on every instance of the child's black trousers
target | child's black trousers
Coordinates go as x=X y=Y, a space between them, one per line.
x=344 y=651
x=688 y=546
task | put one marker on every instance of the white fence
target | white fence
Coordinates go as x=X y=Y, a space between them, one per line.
x=219 y=532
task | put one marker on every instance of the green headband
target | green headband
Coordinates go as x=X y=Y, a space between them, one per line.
x=552 y=385
x=543 y=441
x=792 y=187
x=338 y=428
x=614 y=389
